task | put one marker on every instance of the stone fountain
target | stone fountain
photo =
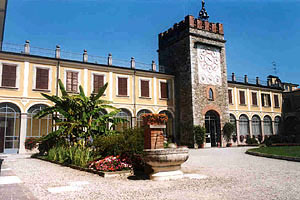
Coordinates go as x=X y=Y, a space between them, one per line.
x=165 y=163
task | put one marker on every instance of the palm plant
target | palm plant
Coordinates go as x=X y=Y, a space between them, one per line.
x=80 y=116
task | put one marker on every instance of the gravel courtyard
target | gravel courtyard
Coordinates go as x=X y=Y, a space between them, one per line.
x=231 y=174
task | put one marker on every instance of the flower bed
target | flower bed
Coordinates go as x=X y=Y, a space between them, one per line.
x=111 y=164
x=31 y=143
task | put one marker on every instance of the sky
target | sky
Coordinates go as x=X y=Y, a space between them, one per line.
x=258 y=32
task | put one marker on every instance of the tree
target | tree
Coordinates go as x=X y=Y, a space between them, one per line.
x=228 y=130
x=79 y=117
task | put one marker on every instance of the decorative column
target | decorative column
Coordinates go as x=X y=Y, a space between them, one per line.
x=238 y=132
x=23 y=130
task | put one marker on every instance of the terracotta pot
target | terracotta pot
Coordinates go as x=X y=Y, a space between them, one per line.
x=201 y=146
x=229 y=145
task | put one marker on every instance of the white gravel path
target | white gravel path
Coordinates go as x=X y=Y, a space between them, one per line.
x=231 y=175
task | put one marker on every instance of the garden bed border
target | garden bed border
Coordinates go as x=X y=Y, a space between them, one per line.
x=124 y=173
x=287 y=158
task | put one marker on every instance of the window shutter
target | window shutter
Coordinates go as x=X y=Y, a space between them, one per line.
x=276 y=101
x=263 y=99
x=42 y=78
x=9 y=75
x=72 y=81
x=254 y=98
x=144 y=88
x=69 y=81
x=122 y=86
x=164 y=90
x=242 y=97
x=230 y=96
x=269 y=100
x=98 y=82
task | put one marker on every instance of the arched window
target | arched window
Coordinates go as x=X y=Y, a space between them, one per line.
x=169 y=131
x=38 y=127
x=268 y=125
x=211 y=94
x=126 y=115
x=139 y=117
x=277 y=121
x=256 y=125
x=244 y=125
x=232 y=120
x=9 y=127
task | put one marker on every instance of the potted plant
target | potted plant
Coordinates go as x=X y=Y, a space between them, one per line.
x=234 y=138
x=199 y=133
x=228 y=130
x=155 y=120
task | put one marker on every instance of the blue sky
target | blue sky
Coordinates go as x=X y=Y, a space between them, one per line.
x=258 y=32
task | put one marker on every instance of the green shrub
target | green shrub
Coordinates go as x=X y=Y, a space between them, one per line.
x=228 y=130
x=250 y=140
x=277 y=139
x=71 y=155
x=130 y=142
x=48 y=142
x=199 y=133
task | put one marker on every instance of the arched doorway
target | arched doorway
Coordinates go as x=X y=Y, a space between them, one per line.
x=9 y=128
x=123 y=114
x=139 y=117
x=169 y=131
x=213 y=130
x=38 y=127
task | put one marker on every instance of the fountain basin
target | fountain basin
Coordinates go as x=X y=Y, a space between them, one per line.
x=166 y=163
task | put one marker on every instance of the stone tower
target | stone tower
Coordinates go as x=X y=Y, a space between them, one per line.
x=194 y=51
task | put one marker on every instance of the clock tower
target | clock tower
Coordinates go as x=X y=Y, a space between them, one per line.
x=194 y=51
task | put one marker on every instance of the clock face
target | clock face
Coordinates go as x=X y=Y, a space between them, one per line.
x=209 y=66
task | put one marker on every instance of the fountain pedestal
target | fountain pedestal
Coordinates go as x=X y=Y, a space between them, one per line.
x=166 y=163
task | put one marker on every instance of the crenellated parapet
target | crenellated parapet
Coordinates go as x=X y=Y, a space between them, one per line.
x=191 y=22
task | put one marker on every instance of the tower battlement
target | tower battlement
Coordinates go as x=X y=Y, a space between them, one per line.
x=191 y=22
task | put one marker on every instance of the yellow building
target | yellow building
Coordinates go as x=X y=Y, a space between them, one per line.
x=23 y=77
x=255 y=108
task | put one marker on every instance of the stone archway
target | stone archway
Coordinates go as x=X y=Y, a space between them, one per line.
x=213 y=129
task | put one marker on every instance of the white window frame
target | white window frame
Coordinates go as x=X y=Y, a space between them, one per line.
x=92 y=80
x=140 y=87
x=49 y=77
x=270 y=103
x=257 y=96
x=65 y=78
x=245 y=91
x=278 y=100
x=117 y=84
x=232 y=101
x=169 y=89
x=17 y=86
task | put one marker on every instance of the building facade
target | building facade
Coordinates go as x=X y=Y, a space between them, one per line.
x=24 y=77
x=192 y=88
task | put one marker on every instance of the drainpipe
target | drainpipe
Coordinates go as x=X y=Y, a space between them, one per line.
x=57 y=56
x=134 y=96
